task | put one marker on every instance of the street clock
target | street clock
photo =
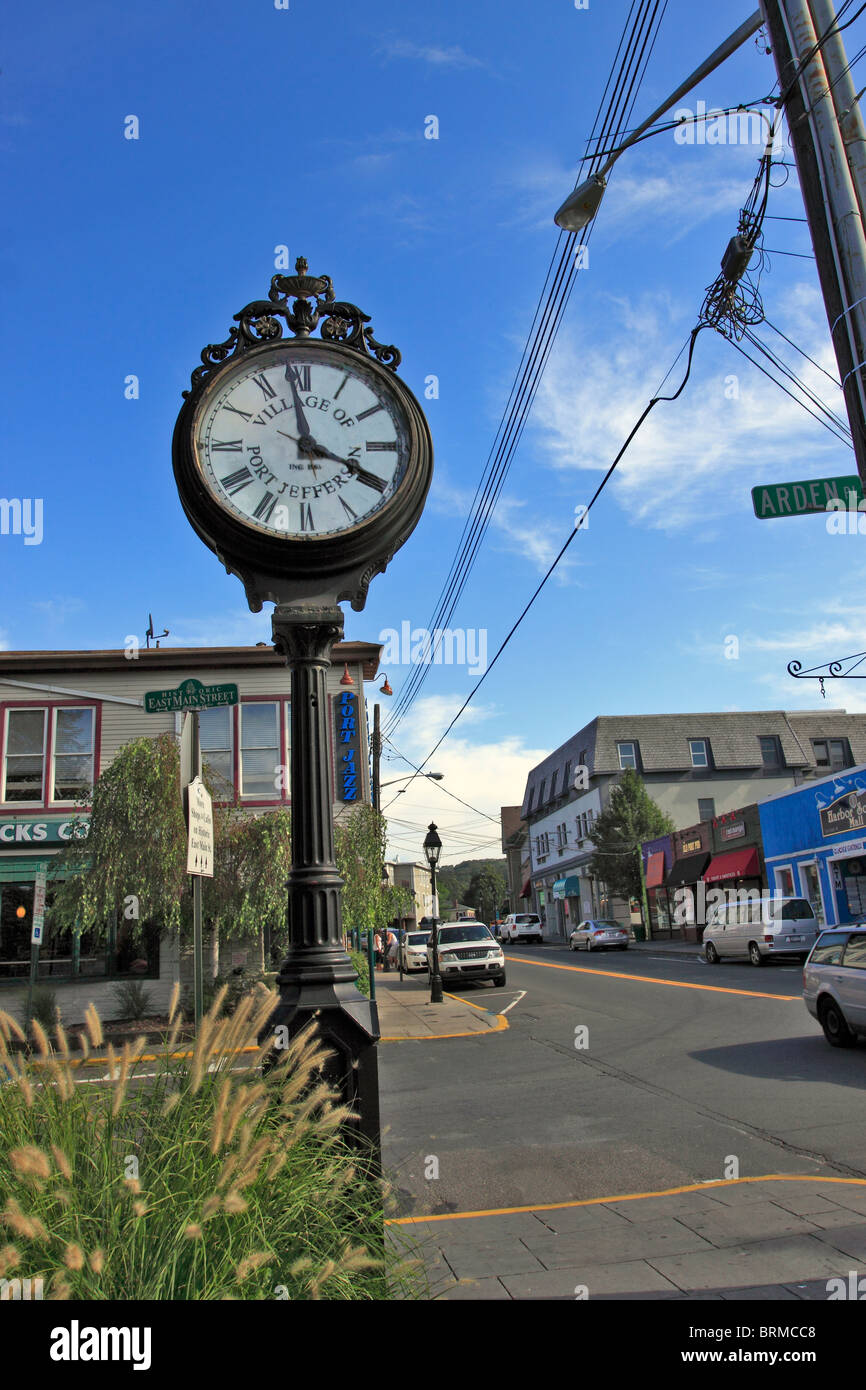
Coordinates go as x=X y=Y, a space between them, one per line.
x=302 y=463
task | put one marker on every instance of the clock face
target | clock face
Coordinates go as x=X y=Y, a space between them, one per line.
x=298 y=442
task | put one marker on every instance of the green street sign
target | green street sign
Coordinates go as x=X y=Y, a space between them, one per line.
x=190 y=694
x=811 y=495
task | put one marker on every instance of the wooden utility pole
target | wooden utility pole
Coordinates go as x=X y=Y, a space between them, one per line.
x=832 y=210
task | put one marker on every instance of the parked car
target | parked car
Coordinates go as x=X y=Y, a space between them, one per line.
x=468 y=951
x=413 y=950
x=521 y=926
x=599 y=934
x=760 y=930
x=834 y=984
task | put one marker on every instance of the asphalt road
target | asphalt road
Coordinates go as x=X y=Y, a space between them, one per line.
x=682 y=1068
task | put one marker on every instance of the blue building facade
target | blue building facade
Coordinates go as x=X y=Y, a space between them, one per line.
x=815 y=844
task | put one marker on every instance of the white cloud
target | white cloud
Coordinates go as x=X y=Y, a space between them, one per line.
x=697 y=456
x=454 y=57
x=486 y=773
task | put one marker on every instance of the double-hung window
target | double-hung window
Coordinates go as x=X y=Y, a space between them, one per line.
x=49 y=755
x=260 y=762
x=217 y=750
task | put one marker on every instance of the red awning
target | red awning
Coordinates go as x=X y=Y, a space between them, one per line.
x=738 y=863
x=526 y=890
x=655 y=869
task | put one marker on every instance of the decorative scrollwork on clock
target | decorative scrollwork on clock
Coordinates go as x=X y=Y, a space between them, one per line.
x=302 y=301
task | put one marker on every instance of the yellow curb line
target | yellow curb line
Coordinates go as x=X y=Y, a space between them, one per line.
x=651 y=979
x=140 y=1057
x=626 y=1197
x=501 y=1026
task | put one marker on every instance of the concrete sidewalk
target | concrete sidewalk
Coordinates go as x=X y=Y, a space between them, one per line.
x=768 y=1238
x=406 y=1013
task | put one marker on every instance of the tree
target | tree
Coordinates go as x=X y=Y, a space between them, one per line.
x=630 y=818
x=485 y=891
x=368 y=900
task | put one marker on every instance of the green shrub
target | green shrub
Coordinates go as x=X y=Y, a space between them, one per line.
x=200 y=1182
x=43 y=1008
x=133 y=1000
x=362 y=965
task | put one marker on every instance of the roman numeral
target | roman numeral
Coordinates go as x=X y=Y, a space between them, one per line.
x=340 y=387
x=236 y=482
x=230 y=446
x=265 y=507
x=301 y=376
x=380 y=445
x=264 y=386
x=365 y=413
x=233 y=408
x=307 y=517
x=348 y=510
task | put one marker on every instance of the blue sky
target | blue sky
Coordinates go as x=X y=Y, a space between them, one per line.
x=305 y=127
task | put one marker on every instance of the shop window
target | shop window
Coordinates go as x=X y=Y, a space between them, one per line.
x=73 y=744
x=260 y=750
x=832 y=754
x=785 y=882
x=771 y=751
x=627 y=755
x=217 y=753
x=24 y=770
x=133 y=949
x=699 y=749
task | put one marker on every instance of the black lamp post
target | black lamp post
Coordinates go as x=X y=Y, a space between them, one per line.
x=432 y=851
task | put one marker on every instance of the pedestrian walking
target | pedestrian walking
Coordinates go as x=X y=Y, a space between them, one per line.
x=377 y=948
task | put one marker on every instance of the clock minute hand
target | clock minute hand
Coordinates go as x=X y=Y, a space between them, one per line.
x=299 y=409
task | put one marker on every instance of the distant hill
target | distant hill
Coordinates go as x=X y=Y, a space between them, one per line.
x=453 y=880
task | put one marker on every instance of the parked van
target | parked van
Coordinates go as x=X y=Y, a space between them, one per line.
x=760 y=928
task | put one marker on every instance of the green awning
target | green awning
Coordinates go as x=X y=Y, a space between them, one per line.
x=567 y=887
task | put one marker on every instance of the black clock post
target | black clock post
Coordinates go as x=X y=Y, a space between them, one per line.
x=297 y=556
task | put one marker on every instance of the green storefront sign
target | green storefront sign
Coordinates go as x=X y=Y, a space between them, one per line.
x=190 y=694
x=810 y=495
x=18 y=830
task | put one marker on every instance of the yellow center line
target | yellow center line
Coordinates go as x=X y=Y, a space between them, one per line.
x=650 y=979
x=623 y=1197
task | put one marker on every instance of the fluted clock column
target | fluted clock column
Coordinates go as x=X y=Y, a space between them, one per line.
x=317 y=975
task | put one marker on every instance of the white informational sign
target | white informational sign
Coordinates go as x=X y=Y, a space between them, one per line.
x=199 y=853
x=38 y=910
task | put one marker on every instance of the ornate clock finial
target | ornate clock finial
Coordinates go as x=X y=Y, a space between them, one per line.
x=313 y=300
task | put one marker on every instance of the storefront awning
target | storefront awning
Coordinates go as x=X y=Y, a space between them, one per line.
x=567 y=887
x=526 y=890
x=737 y=863
x=655 y=869
x=687 y=870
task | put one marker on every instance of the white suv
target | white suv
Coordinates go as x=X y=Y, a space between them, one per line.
x=467 y=951
x=521 y=926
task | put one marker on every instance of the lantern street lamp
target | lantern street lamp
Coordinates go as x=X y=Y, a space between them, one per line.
x=432 y=851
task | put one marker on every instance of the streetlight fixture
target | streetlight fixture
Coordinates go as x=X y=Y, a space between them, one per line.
x=434 y=777
x=581 y=206
x=432 y=851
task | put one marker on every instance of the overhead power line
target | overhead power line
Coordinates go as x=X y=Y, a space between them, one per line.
x=633 y=53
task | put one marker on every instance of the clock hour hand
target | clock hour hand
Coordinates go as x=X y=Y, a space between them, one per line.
x=306 y=437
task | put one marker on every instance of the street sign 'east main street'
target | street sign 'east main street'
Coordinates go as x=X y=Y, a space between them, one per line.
x=190 y=694
x=799 y=499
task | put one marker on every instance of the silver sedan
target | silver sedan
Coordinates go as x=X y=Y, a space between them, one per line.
x=599 y=935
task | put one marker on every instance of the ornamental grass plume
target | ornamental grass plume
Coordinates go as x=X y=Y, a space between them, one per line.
x=244 y=1180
